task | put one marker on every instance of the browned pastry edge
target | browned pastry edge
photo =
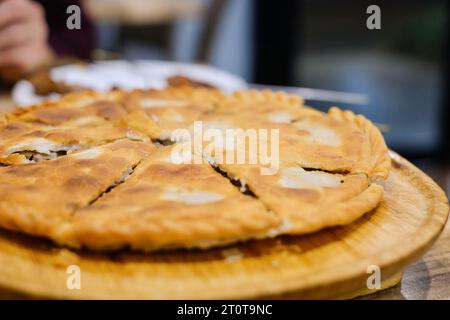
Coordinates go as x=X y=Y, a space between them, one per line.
x=380 y=161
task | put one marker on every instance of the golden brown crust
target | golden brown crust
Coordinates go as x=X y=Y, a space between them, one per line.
x=337 y=141
x=168 y=205
x=73 y=99
x=172 y=108
x=49 y=141
x=37 y=198
x=379 y=153
x=72 y=106
x=138 y=120
x=308 y=201
x=336 y=144
x=277 y=97
x=328 y=166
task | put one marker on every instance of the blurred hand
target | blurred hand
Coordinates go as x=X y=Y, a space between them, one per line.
x=23 y=38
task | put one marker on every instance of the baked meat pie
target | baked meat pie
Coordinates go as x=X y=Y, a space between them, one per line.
x=104 y=171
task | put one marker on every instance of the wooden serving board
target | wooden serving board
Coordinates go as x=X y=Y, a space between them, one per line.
x=329 y=264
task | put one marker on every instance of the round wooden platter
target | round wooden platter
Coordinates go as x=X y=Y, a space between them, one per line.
x=330 y=264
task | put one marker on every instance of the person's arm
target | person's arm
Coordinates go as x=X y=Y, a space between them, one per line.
x=23 y=38
x=32 y=33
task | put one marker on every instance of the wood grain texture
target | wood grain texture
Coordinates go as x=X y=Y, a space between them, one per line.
x=428 y=278
x=328 y=264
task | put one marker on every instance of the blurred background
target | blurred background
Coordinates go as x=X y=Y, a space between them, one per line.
x=402 y=69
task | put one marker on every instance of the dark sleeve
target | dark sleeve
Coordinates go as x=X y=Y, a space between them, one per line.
x=68 y=43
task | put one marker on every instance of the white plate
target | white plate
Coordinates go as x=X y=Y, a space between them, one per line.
x=140 y=74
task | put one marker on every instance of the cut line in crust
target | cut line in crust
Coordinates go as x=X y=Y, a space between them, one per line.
x=334 y=185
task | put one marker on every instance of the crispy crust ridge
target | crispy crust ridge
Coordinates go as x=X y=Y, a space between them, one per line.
x=109 y=229
x=380 y=160
x=278 y=97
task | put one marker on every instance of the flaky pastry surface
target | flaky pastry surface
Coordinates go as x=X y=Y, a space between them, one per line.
x=96 y=170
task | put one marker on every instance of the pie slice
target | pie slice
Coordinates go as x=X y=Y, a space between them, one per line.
x=275 y=107
x=28 y=142
x=72 y=107
x=338 y=141
x=106 y=185
x=10 y=132
x=37 y=198
x=171 y=108
x=308 y=200
x=325 y=169
x=165 y=204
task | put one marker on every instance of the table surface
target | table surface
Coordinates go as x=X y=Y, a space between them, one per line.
x=428 y=278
